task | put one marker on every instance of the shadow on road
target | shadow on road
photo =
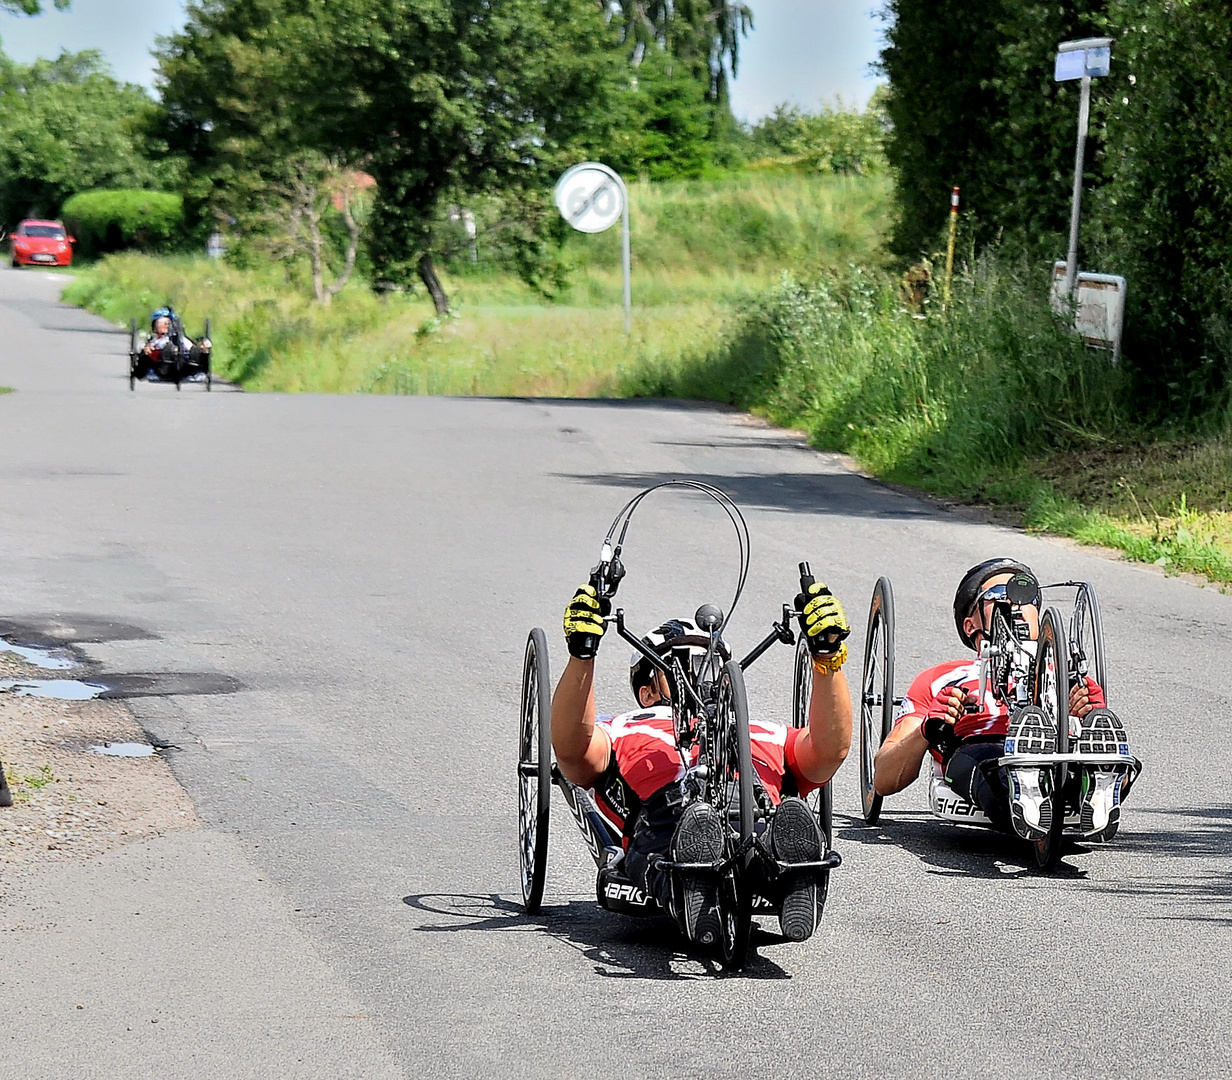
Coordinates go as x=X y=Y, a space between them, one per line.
x=952 y=850
x=844 y=494
x=620 y=948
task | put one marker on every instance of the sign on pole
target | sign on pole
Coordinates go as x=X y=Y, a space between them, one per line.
x=1083 y=59
x=1099 y=306
x=592 y=198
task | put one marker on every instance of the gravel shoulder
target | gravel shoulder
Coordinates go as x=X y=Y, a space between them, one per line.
x=70 y=803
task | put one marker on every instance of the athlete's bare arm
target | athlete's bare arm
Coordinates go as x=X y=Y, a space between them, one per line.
x=824 y=746
x=582 y=749
x=897 y=763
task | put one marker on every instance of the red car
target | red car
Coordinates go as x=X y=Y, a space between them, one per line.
x=41 y=243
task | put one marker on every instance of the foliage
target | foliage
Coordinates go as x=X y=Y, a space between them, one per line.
x=67 y=126
x=1161 y=217
x=941 y=399
x=704 y=35
x=31 y=7
x=835 y=139
x=972 y=103
x=111 y=220
x=441 y=100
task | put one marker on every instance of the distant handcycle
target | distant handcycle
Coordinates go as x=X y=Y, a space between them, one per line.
x=170 y=355
x=711 y=721
x=1020 y=673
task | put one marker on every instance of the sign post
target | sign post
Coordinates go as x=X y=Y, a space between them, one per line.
x=590 y=197
x=1084 y=59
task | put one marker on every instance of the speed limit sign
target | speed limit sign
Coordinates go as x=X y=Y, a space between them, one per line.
x=592 y=198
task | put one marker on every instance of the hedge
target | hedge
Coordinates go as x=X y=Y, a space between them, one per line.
x=105 y=221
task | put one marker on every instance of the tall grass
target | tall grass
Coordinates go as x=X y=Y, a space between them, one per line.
x=944 y=397
x=756 y=221
x=698 y=247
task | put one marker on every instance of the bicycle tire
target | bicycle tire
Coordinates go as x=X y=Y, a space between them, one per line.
x=735 y=900
x=822 y=799
x=132 y=354
x=534 y=771
x=1086 y=611
x=209 y=375
x=876 y=692
x=1050 y=691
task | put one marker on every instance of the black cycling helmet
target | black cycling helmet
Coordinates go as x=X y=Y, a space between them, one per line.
x=672 y=634
x=969 y=589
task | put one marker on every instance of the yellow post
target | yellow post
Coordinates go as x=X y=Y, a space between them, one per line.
x=949 y=255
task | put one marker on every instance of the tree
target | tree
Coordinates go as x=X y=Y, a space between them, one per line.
x=296 y=211
x=704 y=34
x=441 y=101
x=972 y=103
x=67 y=125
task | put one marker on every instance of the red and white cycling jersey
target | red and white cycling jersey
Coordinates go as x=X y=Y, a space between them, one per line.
x=644 y=747
x=991 y=721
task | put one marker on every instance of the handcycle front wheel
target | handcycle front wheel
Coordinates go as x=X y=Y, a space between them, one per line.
x=1050 y=691
x=735 y=900
x=876 y=692
x=534 y=770
x=133 y=350
x=209 y=375
x=822 y=799
x=1087 y=636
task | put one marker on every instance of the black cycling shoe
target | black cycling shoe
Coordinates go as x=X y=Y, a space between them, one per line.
x=6 y=795
x=698 y=839
x=795 y=837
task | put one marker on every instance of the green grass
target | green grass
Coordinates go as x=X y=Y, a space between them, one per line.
x=692 y=262
x=991 y=402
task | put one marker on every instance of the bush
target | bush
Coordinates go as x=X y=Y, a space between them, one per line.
x=105 y=221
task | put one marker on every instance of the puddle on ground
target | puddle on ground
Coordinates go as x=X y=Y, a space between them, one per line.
x=123 y=749
x=43 y=658
x=60 y=689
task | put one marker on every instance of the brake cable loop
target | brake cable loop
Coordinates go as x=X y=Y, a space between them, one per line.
x=625 y=516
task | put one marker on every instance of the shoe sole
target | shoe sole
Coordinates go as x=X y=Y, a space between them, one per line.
x=1102 y=732
x=796 y=839
x=699 y=845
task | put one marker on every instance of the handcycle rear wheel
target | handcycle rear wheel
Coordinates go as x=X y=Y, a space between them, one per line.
x=735 y=901
x=1050 y=691
x=534 y=770
x=1087 y=636
x=876 y=691
x=821 y=800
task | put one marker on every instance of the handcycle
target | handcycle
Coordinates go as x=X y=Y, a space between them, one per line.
x=1020 y=673
x=175 y=363
x=711 y=723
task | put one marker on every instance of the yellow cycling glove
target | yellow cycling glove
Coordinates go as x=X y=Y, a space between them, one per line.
x=824 y=624
x=584 y=624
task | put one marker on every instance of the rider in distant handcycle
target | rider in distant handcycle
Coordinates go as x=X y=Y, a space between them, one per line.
x=167 y=348
x=632 y=767
x=944 y=715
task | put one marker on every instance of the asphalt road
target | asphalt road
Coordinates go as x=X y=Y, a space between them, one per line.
x=367 y=569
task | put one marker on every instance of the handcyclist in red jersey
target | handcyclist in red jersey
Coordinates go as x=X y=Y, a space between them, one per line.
x=942 y=715
x=632 y=766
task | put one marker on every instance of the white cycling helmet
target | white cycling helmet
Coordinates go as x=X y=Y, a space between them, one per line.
x=673 y=634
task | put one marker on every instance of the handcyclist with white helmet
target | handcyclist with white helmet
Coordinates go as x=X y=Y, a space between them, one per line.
x=631 y=764
x=942 y=715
